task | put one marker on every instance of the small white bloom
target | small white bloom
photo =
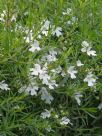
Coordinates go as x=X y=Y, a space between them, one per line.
x=4 y=86
x=35 y=46
x=77 y=97
x=36 y=70
x=45 y=27
x=91 y=79
x=51 y=57
x=79 y=64
x=91 y=52
x=2 y=16
x=30 y=89
x=44 y=77
x=100 y=106
x=45 y=32
x=45 y=114
x=52 y=84
x=57 y=31
x=57 y=70
x=65 y=121
x=86 y=47
x=85 y=44
x=72 y=71
x=46 y=96
x=69 y=10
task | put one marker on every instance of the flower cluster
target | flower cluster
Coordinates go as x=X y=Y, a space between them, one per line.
x=47 y=76
x=42 y=73
x=4 y=14
x=52 y=67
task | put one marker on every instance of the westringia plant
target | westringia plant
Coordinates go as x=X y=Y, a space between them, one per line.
x=50 y=69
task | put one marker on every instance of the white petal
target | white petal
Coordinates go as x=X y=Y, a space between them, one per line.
x=83 y=50
x=85 y=44
x=79 y=64
x=91 y=52
x=73 y=75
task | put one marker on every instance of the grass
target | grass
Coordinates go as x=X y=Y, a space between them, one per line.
x=20 y=113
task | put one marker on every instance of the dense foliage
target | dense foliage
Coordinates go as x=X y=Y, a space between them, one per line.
x=50 y=68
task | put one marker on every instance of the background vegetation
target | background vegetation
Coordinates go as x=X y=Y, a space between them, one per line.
x=20 y=114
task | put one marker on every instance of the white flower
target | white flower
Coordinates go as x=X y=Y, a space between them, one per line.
x=45 y=78
x=30 y=89
x=77 y=97
x=69 y=10
x=4 y=86
x=46 y=96
x=91 y=79
x=79 y=64
x=72 y=72
x=45 y=27
x=35 y=46
x=45 y=114
x=57 y=31
x=52 y=84
x=91 y=52
x=100 y=106
x=43 y=75
x=85 y=44
x=86 y=47
x=35 y=71
x=2 y=16
x=65 y=121
x=57 y=70
x=51 y=57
